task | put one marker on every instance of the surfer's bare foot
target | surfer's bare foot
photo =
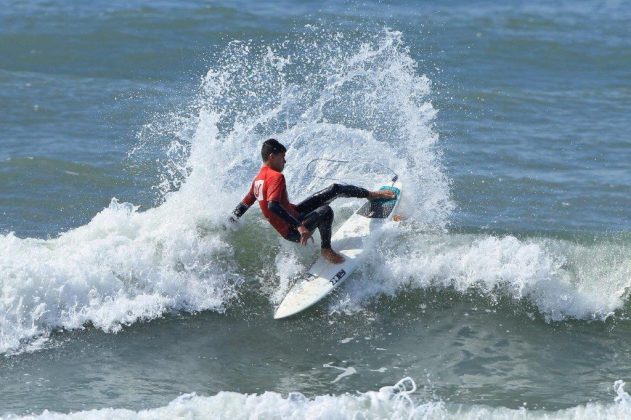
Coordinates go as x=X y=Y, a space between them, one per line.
x=332 y=256
x=381 y=194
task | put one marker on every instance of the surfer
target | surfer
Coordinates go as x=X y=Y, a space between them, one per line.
x=297 y=222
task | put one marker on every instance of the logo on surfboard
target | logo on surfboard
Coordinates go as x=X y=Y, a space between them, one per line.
x=336 y=278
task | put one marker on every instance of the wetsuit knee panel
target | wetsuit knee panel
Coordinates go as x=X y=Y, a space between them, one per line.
x=334 y=187
x=318 y=216
x=327 y=212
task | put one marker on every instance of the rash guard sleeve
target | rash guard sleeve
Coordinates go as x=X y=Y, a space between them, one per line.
x=240 y=210
x=249 y=198
x=245 y=204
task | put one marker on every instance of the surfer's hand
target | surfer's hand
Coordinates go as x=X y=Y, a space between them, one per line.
x=231 y=223
x=305 y=235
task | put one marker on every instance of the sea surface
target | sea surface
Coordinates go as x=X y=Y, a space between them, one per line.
x=130 y=129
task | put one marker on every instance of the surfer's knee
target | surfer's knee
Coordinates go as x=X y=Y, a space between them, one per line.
x=320 y=217
x=334 y=188
x=321 y=214
x=327 y=212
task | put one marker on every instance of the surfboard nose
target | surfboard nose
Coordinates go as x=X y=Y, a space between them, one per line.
x=284 y=311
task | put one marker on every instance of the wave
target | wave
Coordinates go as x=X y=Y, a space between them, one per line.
x=324 y=95
x=395 y=402
x=561 y=279
x=122 y=267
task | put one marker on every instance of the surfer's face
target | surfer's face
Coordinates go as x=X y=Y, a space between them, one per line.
x=277 y=161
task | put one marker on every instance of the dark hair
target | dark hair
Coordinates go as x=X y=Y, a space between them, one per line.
x=271 y=146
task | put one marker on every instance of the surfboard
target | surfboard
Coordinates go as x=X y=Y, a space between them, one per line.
x=350 y=240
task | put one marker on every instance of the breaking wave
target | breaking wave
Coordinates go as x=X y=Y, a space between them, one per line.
x=393 y=402
x=325 y=96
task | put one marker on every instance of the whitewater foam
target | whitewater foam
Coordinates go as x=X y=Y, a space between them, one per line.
x=560 y=278
x=122 y=267
x=394 y=402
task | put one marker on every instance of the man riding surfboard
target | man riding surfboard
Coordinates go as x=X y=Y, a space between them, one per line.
x=297 y=222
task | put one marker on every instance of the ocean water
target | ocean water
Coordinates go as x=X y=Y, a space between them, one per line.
x=130 y=130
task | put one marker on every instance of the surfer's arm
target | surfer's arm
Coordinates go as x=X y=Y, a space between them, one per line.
x=243 y=206
x=278 y=210
x=240 y=210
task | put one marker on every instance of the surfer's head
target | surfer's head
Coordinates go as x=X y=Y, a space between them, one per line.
x=273 y=154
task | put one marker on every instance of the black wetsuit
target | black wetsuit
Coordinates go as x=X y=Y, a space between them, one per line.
x=315 y=211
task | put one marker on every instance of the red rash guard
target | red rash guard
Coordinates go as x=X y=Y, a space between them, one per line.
x=269 y=185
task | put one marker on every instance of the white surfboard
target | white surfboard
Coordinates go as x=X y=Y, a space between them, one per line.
x=350 y=241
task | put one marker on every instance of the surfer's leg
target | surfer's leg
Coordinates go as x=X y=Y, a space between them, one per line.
x=329 y=194
x=321 y=218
